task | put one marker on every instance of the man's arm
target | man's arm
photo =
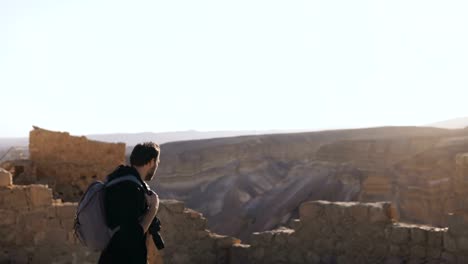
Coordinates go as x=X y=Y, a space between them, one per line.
x=153 y=205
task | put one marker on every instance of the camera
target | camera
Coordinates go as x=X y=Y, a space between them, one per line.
x=154 y=229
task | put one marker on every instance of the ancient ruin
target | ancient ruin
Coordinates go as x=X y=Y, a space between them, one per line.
x=420 y=177
x=69 y=164
x=35 y=228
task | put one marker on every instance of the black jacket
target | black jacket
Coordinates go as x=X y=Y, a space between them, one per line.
x=125 y=203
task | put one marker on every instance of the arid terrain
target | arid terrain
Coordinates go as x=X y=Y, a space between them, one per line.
x=255 y=183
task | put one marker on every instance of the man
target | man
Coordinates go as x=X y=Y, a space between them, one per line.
x=131 y=207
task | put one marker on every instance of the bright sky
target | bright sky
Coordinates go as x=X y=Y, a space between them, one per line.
x=133 y=66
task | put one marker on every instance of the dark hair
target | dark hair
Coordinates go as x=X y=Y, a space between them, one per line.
x=144 y=153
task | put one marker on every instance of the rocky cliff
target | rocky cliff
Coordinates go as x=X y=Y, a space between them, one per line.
x=256 y=183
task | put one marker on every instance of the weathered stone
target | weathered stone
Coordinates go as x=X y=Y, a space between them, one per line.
x=39 y=195
x=400 y=234
x=457 y=225
x=418 y=235
x=7 y=217
x=173 y=205
x=15 y=198
x=71 y=163
x=359 y=212
x=377 y=213
x=224 y=241
x=416 y=261
x=66 y=210
x=394 y=250
x=418 y=252
x=310 y=210
x=394 y=260
x=263 y=238
x=295 y=256
x=295 y=224
x=449 y=243
x=448 y=257
x=239 y=253
x=462 y=243
x=258 y=253
x=33 y=221
x=433 y=253
x=434 y=238
x=391 y=211
x=312 y=257
x=5 y=178
x=335 y=213
x=203 y=233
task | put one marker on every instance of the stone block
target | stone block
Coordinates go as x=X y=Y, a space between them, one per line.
x=378 y=213
x=312 y=257
x=7 y=236
x=226 y=242
x=393 y=260
x=33 y=221
x=173 y=205
x=295 y=256
x=203 y=233
x=391 y=211
x=457 y=224
x=433 y=253
x=400 y=234
x=359 y=212
x=66 y=210
x=263 y=238
x=380 y=249
x=39 y=238
x=311 y=210
x=258 y=253
x=39 y=195
x=418 y=252
x=394 y=250
x=239 y=254
x=56 y=236
x=295 y=224
x=15 y=198
x=5 y=178
x=449 y=242
x=67 y=224
x=7 y=217
x=334 y=213
x=435 y=237
x=462 y=243
x=447 y=257
x=418 y=235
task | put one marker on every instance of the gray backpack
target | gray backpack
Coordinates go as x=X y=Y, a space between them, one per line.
x=90 y=218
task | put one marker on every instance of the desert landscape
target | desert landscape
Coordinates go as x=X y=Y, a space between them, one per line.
x=390 y=193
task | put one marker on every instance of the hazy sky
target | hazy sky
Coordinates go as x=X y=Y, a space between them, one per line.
x=134 y=66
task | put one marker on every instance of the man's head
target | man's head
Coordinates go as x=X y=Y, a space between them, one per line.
x=145 y=157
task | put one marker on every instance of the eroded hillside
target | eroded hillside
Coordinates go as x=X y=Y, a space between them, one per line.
x=256 y=183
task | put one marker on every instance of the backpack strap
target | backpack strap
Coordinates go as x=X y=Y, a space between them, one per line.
x=131 y=178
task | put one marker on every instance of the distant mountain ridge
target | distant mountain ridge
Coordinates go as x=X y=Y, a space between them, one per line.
x=461 y=122
x=131 y=139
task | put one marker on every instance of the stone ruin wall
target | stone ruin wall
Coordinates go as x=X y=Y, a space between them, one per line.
x=35 y=228
x=69 y=164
